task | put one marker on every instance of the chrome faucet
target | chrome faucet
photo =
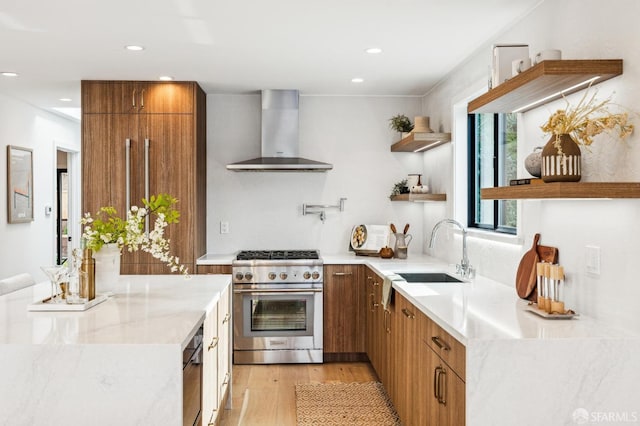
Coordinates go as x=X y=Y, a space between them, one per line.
x=463 y=268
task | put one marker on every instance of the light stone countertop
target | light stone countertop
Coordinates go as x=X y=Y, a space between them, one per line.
x=118 y=363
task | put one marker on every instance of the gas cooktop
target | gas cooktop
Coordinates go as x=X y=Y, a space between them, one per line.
x=277 y=255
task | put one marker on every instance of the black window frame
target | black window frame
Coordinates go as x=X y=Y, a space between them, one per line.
x=473 y=195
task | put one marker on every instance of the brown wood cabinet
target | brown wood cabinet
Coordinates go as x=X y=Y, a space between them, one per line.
x=141 y=139
x=344 y=312
x=213 y=269
x=421 y=366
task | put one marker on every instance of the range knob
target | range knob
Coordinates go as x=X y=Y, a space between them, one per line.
x=239 y=276
x=315 y=275
x=248 y=276
x=307 y=275
x=272 y=275
x=283 y=275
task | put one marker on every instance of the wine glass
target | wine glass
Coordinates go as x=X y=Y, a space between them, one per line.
x=56 y=274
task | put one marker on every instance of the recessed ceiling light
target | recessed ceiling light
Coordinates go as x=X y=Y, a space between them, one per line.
x=9 y=74
x=357 y=80
x=65 y=99
x=166 y=78
x=134 y=47
x=373 y=50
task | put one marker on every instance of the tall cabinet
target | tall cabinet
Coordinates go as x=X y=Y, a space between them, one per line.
x=141 y=139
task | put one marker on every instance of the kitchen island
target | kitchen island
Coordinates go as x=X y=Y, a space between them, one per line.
x=119 y=362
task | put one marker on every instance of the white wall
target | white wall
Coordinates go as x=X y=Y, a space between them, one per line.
x=27 y=246
x=264 y=210
x=582 y=29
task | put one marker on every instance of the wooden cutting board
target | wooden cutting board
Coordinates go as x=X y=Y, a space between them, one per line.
x=526 y=274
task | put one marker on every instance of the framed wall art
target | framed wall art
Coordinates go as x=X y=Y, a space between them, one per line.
x=19 y=184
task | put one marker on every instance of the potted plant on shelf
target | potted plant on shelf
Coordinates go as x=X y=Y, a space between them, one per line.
x=107 y=233
x=401 y=123
x=574 y=126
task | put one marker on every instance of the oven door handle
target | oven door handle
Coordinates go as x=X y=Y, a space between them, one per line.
x=279 y=290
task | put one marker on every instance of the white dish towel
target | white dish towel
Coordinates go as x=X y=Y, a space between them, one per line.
x=387 y=287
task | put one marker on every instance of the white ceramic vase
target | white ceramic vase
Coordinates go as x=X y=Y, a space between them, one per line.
x=107 y=268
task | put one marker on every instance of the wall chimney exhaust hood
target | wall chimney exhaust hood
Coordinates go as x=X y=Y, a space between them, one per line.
x=279 y=138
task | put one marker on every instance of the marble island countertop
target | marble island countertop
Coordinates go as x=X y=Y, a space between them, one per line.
x=119 y=362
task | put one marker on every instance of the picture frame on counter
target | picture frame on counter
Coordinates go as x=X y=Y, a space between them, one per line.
x=19 y=184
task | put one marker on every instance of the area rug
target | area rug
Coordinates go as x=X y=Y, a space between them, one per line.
x=344 y=404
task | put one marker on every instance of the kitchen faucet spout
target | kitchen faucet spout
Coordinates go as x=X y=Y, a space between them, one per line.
x=463 y=268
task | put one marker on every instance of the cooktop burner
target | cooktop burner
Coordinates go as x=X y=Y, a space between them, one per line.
x=277 y=254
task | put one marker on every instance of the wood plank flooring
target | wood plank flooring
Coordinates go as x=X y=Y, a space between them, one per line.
x=264 y=395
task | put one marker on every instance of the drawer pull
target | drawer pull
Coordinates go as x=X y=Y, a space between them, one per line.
x=342 y=274
x=376 y=283
x=439 y=343
x=408 y=313
x=226 y=380
x=226 y=318
x=213 y=344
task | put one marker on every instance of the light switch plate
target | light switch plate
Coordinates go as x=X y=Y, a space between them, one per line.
x=593 y=259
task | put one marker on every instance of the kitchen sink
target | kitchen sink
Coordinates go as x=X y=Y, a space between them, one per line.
x=429 y=277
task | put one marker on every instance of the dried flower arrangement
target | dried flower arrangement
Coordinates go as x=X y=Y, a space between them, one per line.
x=587 y=119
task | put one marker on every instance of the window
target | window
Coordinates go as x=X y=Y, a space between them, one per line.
x=492 y=162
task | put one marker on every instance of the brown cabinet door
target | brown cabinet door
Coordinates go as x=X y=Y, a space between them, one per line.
x=344 y=316
x=137 y=97
x=372 y=286
x=405 y=358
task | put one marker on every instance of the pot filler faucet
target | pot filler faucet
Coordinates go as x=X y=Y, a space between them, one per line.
x=463 y=268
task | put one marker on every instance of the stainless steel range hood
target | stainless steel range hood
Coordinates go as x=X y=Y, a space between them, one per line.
x=279 y=138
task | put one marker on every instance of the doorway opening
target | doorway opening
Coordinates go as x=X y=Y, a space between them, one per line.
x=67 y=197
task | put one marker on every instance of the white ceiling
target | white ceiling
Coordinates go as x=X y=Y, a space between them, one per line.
x=241 y=46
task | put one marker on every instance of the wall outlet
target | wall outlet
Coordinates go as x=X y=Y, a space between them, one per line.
x=593 y=259
x=224 y=227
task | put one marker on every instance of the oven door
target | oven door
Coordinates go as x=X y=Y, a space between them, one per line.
x=277 y=318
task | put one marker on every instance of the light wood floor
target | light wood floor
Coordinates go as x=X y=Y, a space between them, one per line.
x=264 y=395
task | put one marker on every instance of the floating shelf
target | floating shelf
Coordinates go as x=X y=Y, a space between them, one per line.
x=563 y=190
x=420 y=141
x=419 y=197
x=543 y=83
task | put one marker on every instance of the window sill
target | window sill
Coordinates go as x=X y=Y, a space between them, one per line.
x=495 y=236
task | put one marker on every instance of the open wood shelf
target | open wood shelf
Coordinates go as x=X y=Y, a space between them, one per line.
x=563 y=190
x=419 y=197
x=544 y=82
x=420 y=141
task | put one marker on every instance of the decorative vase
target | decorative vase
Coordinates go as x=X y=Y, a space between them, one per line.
x=107 y=268
x=564 y=164
x=533 y=162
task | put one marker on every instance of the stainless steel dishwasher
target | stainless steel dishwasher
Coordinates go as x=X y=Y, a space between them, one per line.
x=192 y=381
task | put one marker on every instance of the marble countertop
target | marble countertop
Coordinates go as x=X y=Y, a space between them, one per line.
x=145 y=309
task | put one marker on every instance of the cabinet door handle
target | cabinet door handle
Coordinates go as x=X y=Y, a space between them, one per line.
x=142 y=99
x=127 y=173
x=342 y=274
x=436 y=382
x=226 y=318
x=147 y=142
x=133 y=99
x=442 y=386
x=376 y=283
x=439 y=343
x=213 y=344
x=226 y=380
x=408 y=313
x=387 y=321
x=369 y=278
x=374 y=305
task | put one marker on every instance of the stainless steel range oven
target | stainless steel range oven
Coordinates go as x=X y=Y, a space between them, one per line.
x=277 y=307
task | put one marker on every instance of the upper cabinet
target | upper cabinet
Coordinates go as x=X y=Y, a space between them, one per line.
x=543 y=83
x=420 y=141
x=130 y=97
